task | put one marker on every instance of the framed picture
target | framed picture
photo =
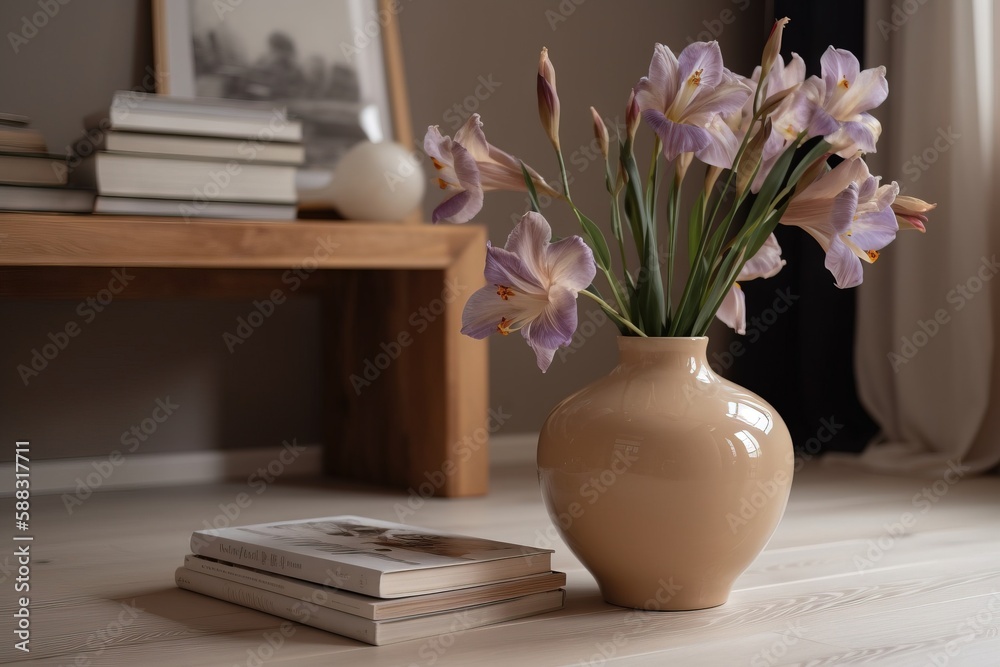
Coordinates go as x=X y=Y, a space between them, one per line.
x=336 y=66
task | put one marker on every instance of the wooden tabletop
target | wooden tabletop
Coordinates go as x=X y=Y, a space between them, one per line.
x=93 y=240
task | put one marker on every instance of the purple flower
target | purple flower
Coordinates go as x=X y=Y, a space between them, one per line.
x=799 y=111
x=682 y=99
x=833 y=106
x=532 y=288
x=846 y=94
x=470 y=165
x=849 y=214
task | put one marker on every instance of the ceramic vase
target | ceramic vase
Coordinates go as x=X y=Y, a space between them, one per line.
x=665 y=479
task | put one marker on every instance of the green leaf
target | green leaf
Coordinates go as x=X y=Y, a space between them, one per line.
x=651 y=291
x=633 y=213
x=653 y=180
x=531 y=189
x=719 y=237
x=634 y=218
x=733 y=264
x=818 y=150
x=694 y=230
x=622 y=329
x=602 y=253
x=649 y=284
x=616 y=222
x=633 y=303
x=724 y=281
x=771 y=185
x=766 y=230
x=750 y=162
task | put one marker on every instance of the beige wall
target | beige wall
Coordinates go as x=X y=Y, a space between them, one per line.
x=134 y=353
x=111 y=375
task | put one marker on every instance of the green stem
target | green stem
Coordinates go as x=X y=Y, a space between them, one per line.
x=616 y=216
x=609 y=309
x=615 y=287
x=564 y=176
x=673 y=213
x=652 y=180
x=706 y=233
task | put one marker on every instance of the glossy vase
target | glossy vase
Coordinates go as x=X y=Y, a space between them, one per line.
x=663 y=478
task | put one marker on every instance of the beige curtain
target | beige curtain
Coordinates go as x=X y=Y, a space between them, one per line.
x=927 y=355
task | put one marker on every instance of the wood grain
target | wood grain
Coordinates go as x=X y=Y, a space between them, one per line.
x=804 y=601
x=93 y=240
x=79 y=282
x=404 y=391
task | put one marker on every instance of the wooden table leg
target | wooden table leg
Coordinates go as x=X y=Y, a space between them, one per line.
x=406 y=393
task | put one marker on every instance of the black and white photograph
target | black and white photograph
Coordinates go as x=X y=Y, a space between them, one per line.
x=303 y=55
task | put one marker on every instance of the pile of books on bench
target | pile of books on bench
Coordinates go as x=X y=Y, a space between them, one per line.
x=369 y=580
x=192 y=158
x=31 y=179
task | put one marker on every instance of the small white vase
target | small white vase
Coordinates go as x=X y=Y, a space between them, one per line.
x=381 y=182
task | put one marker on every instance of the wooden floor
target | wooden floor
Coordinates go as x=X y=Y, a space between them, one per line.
x=837 y=585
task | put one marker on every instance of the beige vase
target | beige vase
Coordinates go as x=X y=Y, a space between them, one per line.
x=663 y=478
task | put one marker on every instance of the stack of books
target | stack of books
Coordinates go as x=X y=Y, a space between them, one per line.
x=192 y=157
x=369 y=580
x=30 y=178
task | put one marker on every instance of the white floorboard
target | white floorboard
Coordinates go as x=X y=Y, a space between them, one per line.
x=823 y=593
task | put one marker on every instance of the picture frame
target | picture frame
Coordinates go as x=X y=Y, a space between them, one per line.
x=265 y=50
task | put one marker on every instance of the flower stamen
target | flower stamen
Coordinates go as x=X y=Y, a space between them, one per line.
x=695 y=78
x=843 y=83
x=504 y=326
x=873 y=255
x=437 y=163
x=504 y=292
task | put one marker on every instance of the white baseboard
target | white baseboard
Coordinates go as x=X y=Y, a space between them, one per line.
x=164 y=469
x=510 y=448
x=204 y=467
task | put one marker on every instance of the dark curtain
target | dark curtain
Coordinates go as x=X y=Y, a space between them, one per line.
x=802 y=360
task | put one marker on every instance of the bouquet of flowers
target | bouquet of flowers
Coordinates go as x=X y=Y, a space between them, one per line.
x=765 y=146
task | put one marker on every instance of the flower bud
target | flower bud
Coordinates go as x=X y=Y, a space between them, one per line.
x=910 y=212
x=600 y=132
x=684 y=161
x=632 y=116
x=548 y=99
x=752 y=157
x=772 y=50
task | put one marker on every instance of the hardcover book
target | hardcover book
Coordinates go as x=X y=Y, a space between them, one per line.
x=20 y=139
x=214 y=148
x=32 y=169
x=136 y=175
x=371 y=557
x=13 y=119
x=45 y=199
x=189 y=208
x=362 y=629
x=144 y=112
x=376 y=609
